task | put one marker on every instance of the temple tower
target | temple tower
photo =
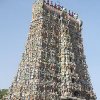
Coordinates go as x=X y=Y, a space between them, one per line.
x=53 y=65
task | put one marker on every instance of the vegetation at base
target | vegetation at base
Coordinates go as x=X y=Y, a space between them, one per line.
x=3 y=93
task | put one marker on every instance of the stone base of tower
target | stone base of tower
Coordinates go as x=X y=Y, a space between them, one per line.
x=71 y=98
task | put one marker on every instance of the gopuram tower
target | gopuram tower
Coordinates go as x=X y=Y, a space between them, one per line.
x=53 y=65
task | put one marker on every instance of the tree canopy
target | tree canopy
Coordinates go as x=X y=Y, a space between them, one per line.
x=3 y=93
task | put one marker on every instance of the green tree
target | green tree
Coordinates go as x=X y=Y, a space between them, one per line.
x=3 y=93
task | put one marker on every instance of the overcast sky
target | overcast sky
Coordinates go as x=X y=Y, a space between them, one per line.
x=15 y=17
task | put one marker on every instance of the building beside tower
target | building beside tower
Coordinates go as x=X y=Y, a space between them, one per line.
x=53 y=65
